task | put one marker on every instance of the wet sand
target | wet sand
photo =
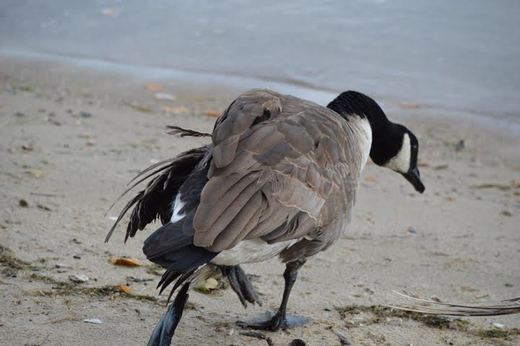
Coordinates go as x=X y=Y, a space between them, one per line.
x=70 y=139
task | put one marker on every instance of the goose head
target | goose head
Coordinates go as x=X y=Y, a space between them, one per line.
x=393 y=145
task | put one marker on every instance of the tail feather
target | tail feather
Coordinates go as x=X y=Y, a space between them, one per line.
x=154 y=201
x=180 y=281
x=173 y=249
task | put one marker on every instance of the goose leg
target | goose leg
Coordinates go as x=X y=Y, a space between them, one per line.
x=241 y=285
x=280 y=320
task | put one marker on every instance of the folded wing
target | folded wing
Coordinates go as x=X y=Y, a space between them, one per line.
x=277 y=172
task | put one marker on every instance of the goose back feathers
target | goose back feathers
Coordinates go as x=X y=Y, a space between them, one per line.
x=280 y=170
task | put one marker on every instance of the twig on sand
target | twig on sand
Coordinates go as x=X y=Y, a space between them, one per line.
x=258 y=335
x=343 y=340
x=182 y=132
x=43 y=194
x=427 y=306
x=65 y=319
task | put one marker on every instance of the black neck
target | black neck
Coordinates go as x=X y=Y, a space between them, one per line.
x=350 y=104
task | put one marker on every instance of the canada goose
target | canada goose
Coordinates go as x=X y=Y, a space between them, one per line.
x=279 y=179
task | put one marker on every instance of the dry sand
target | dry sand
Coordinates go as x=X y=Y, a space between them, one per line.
x=71 y=138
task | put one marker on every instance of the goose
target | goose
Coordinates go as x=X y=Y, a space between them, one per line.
x=279 y=179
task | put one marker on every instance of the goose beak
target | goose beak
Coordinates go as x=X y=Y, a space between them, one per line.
x=414 y=177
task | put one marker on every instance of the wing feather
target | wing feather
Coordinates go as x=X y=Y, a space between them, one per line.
x=155 y=200
x=275 y=167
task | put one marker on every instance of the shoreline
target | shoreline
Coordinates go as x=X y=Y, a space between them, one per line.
x=72 y=137
x=509 y=123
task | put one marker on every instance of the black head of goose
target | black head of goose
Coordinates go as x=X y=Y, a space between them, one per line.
x=278 y=179
x=393 y=145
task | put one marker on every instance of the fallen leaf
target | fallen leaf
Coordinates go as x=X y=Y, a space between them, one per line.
x=503 y=187
x=140 y=108
x=125 y=261
x=212 y=113
x=124 y=288
x=468 y=289
x=36 y=173
x=175 y=110
x=370 y=179
x=153 y=87
x=164 y=96
x=409 y=105
x=441 y=167
x=207 y=285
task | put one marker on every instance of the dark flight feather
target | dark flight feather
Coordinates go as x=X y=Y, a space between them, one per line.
x=155 y=200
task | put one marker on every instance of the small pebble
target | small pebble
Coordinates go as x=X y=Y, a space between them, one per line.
x=85 y=114
x=498 y=325
x=76 y=257
x=93 y=321
x=78 y=278
x=164 y=96
x=460 y=145
x=412 y=230
x=23 y=203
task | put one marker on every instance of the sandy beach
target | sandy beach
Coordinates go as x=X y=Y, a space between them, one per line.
x=70 y=140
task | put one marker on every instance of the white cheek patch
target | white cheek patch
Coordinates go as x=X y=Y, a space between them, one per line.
x=365 y=140
x=401 y=162
x=177 y=207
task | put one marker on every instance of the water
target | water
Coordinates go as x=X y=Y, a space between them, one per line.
x=458 y=56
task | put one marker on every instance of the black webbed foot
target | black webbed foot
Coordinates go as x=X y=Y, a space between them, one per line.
x=275 y=322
